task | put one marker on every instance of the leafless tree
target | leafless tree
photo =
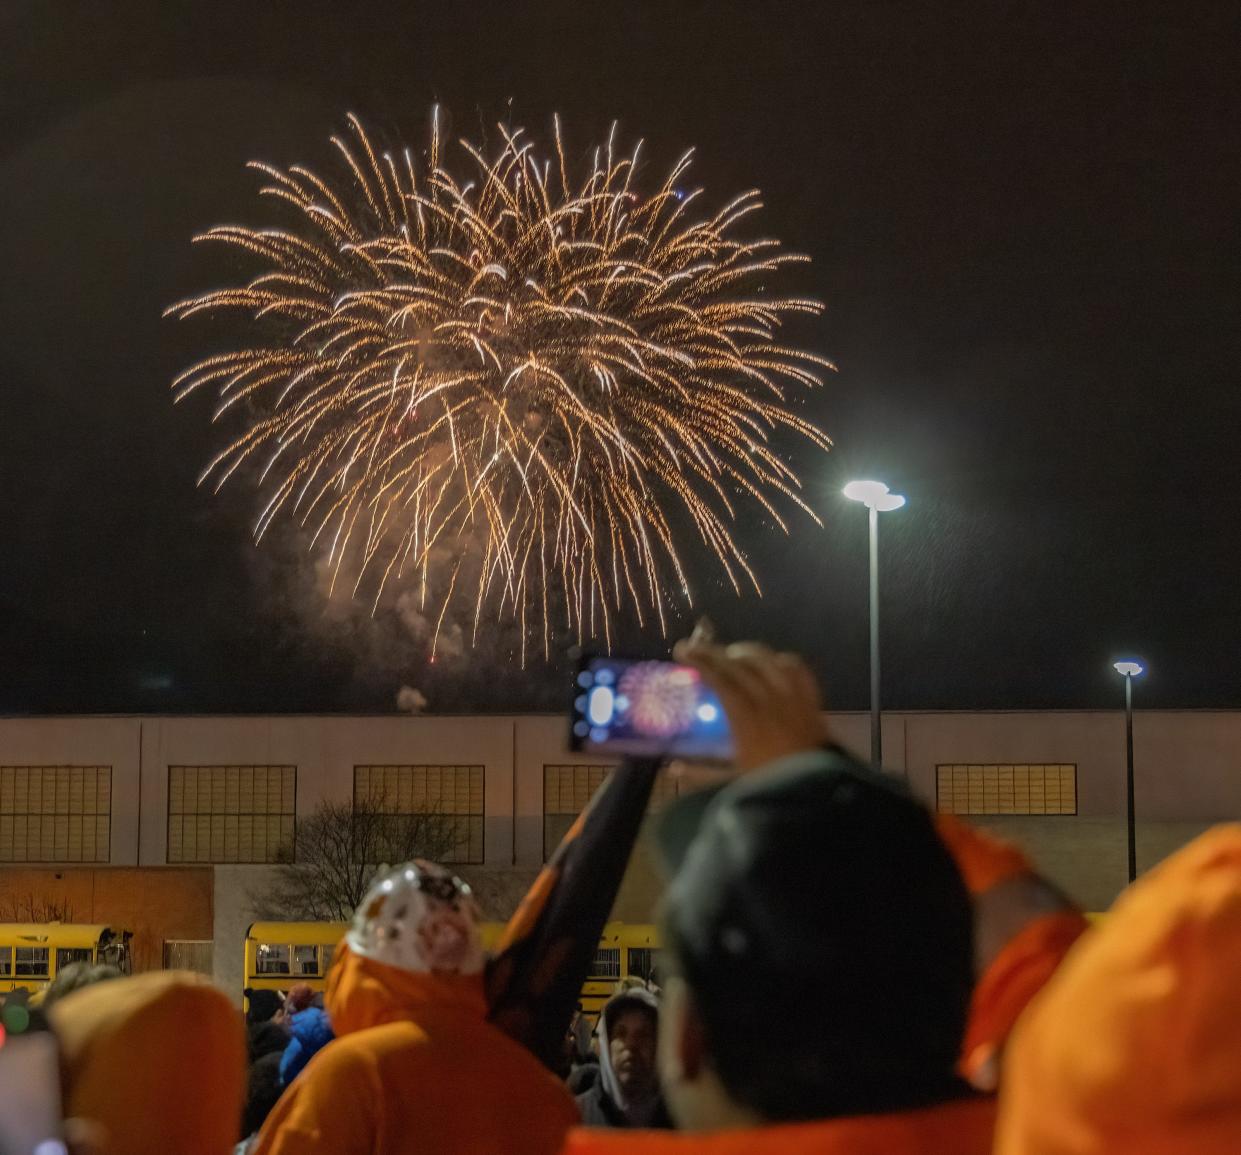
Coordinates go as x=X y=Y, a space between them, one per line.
x=340 y=847
x=31 y=909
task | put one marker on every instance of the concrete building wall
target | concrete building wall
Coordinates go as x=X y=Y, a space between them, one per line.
x=1188 y=775
x=236 y=888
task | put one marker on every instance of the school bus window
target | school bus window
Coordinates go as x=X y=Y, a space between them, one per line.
x=644 y=962
x=304 y=960
x=6 y=961
x=31 y=962
x=71 y=954
x=606 y=963
x=273 y=959
x=328 y=951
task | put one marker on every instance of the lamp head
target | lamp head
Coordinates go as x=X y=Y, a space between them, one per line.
x=873 y=495
x=1128 y=668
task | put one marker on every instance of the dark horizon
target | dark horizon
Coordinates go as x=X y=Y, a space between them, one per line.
x=1019 y=221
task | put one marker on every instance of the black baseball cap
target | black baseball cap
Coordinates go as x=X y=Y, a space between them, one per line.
x=814 y=911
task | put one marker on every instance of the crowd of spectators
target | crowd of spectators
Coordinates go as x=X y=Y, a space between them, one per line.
x=843 y=972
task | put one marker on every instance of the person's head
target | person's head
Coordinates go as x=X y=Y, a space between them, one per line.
x=818 y=957
x=419 y=918
x=632 y=1030
x=75 y=976
x=262 y=1005
x=299 y=997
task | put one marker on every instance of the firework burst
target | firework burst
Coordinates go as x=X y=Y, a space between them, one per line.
x=509 y=388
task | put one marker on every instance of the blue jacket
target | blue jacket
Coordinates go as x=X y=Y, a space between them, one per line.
x=311 y=1031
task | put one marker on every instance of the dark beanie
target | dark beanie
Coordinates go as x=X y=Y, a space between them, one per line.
x=826 y=936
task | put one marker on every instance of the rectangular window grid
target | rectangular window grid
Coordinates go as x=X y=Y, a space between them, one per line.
x=1046 y=788
x=55 y=813
x=567 y=789
x=189 y=955
x=231 y=813
x=453 y=793
x=606 y=964
x=31 y=962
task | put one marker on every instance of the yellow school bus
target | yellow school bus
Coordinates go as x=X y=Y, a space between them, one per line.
x=279 y=954
x=31 y=954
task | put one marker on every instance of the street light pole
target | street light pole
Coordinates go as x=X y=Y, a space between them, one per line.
x=876 y=729
x=1129 y=670
x=877 y=499
x=1133 y=834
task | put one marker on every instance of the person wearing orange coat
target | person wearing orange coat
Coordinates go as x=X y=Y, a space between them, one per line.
x=1135 y=1045
x=153 y=1064
x=817 y=949
x=1023 y=928
x=415 y=1066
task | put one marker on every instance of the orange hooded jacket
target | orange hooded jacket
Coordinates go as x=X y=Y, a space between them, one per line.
x=1017 y=972
x=963 y=1128
x=156 y=1061
x=416 y=1068
x=1135 y=1045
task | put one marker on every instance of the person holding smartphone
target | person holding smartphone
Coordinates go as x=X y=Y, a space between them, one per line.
x=809 y=890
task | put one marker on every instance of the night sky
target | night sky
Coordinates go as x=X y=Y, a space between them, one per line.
x=1022 y=219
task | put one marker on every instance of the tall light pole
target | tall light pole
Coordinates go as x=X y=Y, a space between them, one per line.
x=1129 y=670
x=878 y=499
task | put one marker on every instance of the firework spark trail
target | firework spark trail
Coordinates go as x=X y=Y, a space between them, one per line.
x=509 y=360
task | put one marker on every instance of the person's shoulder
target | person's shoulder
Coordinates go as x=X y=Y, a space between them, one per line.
x=583 y=1077
x=596 y=1109
x=589 y=1096
x=380 y=1040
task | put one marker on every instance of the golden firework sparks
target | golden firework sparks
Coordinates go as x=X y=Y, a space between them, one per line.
x=552 y=380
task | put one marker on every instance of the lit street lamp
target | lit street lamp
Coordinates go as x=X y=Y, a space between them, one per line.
x=1129 y=670
x=877 y=498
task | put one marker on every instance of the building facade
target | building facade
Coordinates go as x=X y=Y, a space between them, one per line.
x=173 y=826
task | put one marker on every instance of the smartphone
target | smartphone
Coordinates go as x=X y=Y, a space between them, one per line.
x=646 y=707
x=31 y=1115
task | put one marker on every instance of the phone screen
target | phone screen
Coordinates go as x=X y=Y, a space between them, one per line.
x=30 y=1106
x=646 y=707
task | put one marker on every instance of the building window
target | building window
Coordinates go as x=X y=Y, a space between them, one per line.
x=448 y=799
x=189 y=955
x=567 y=789
x=231 y=813
x=1006 y=789
x=55 y=813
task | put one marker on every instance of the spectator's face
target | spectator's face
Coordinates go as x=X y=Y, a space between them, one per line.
x=631 y=1046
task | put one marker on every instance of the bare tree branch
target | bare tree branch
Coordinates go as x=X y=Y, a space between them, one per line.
x=340 y=848
x=31 y=909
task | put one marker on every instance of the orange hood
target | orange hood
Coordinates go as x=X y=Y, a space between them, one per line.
x=362 y=993
x=157 y=1061
x=1135 y=1045
x=433 y=1075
